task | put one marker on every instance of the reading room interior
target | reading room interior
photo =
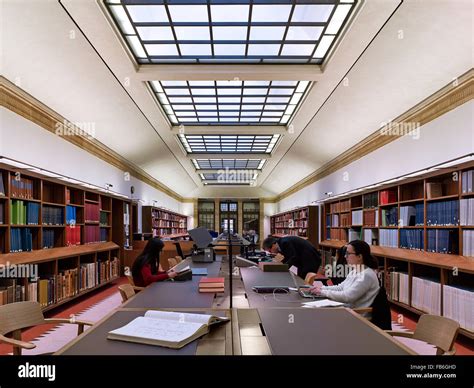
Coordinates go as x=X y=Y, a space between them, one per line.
x=237 y=178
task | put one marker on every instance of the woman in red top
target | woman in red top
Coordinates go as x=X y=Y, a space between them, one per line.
x=145 y=269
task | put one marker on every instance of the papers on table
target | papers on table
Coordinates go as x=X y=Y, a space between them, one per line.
x=322 y=303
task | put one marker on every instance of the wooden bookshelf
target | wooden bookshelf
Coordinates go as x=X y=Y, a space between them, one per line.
x=302 y=222
x=164 y=223
x=430 y=207
x=63 y=274
x=53 y=223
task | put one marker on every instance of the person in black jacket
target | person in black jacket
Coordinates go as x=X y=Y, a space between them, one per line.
x=296 y=251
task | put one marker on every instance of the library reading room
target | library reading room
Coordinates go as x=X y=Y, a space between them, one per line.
x=240 y=182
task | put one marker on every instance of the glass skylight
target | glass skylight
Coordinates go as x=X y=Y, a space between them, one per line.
x=218 y=164
x=229 y=143
x=229 y=102
x=213 y=31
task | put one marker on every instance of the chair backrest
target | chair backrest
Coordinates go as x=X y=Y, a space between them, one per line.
x=436 y=330
x=20 y=315
x=129 y=276
x=381 y=315
x=179 y=250
x=126 y=292
x=310 y=277
x=172 y=262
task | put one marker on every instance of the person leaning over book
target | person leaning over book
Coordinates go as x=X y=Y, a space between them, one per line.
x=295 y=251
x=361 y=285
x=145 y=268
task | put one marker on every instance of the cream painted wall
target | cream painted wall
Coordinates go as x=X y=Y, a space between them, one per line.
x=27 y=142
x=445 y=138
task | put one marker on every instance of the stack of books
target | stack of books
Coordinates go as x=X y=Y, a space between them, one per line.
x=211 y=285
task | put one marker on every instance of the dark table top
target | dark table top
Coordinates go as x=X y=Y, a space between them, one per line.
x=173 y=294
x=253 y=276
x=324 y=331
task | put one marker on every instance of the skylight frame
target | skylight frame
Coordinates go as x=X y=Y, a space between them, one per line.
x=141 y=47
x=227 y=144
x=230 y=102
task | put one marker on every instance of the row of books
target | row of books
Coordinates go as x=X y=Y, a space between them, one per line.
x=467 y=179
x=73 y=235
x=387 y=196
x=388 y=238
x=357 y=217
x=12 y=291
x=390 y=216
x=370 y=200
x=71 y=215
x=3 y=192
x=334 y=220
x=338 y=234
x=442 y=213
x=442 y=240
x=162 y=232
x=468 y=242
x=91 y=234
x=21 y=240
x=458 y=302
x=295 y=215
x=412 y=239
x=53 y=215
x=345 y=219
x=92 y=212
x=397 y=287
x=48 y=238
x=168 y=224
x=211 y=285
x=24 y=213
x=343 y=206
x=160 y=214
x=466 y=211
x=412 y=215
x=426 y=295
x=21 y=187
x=104 y=218
x=371 y=218
x=2 y=212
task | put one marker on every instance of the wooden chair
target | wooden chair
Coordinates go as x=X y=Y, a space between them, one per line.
x=436 y=330
x=128 y=274
x=17 y=316
x=126 y=292
x=310 y=278
x=172 y=262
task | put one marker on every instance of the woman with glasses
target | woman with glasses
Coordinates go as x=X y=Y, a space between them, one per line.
x=361 y=285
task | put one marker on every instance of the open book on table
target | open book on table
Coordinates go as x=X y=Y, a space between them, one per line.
x=165 y=328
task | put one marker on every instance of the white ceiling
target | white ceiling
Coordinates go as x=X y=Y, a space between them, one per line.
x=94 y=80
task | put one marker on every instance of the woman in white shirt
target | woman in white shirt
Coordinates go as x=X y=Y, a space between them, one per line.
x=361 y=285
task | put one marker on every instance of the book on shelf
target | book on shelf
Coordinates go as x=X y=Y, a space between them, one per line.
x=2 y=186
x=166 y=328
